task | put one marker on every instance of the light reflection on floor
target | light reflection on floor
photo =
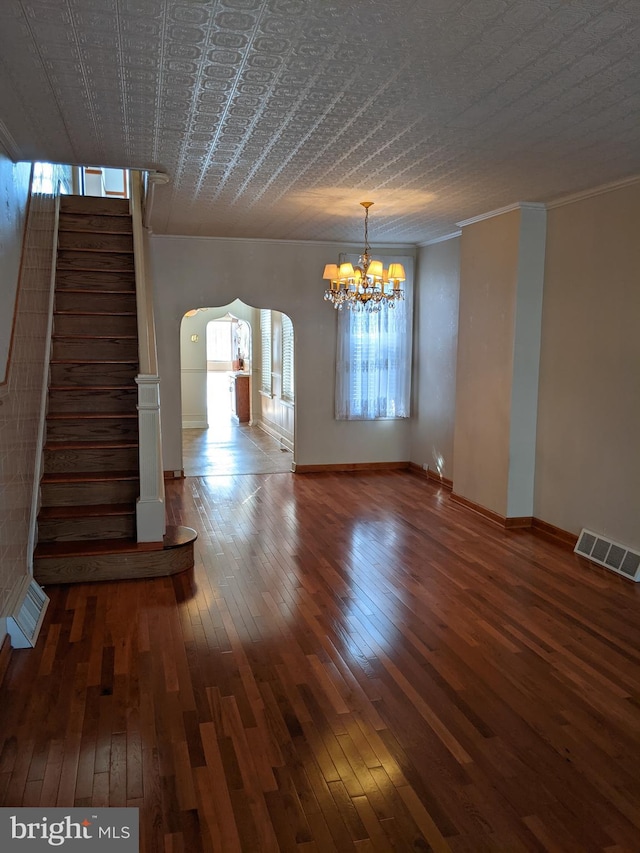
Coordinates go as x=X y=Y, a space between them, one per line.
x=229 y=448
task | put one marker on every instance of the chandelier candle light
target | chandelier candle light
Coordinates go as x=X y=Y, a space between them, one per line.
x=368 y=286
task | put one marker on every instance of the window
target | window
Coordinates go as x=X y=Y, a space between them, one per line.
x=373 y=364
x=265 y=338
x=51 y=179
x=219 y=341
x=44 y=178
x=287 y=359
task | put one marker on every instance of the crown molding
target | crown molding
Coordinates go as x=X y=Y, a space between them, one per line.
x=381 y=247
x=442 y=239
x=518 y=205
x=9 y=144
x=595 y=191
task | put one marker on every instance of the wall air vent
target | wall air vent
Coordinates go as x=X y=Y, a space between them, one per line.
x=609 y=554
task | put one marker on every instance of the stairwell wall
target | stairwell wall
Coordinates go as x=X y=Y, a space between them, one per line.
x=21 y=394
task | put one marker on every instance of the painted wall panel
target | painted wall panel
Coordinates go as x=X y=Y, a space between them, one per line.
x=488 y=277
x=14 y=195
x=435 y=345
x=588 y=450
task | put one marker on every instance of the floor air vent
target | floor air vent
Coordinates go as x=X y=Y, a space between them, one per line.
x=25 y=623
x=609 y=554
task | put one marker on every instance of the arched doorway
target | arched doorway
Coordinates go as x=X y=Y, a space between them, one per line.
x=230 y=424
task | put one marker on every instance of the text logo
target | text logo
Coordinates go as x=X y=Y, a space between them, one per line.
x=33 y=829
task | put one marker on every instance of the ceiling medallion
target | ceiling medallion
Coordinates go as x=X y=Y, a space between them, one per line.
x=368 y=286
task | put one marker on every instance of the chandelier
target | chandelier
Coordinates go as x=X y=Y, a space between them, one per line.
x=366 y=287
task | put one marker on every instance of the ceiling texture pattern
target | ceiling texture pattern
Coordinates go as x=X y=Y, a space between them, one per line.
x=274 y=118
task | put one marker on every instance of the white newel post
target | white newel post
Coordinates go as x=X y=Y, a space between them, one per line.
x=150 y=509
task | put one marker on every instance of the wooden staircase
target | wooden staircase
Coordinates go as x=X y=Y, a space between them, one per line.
x=87 y=519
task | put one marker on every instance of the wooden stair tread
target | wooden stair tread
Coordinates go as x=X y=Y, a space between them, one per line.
x=89 y=476
x=81 y=388
x=127 y=291
x=94 y=361
x=75 y=313
x=176 y=536
x=89 y=415
x=89 y=207
x=104 y=361
x=66 y=228
x=66 y=336
x=103 y=250
x=84 y=511
x=91 y=444
x=73 y=203
x=76 y=268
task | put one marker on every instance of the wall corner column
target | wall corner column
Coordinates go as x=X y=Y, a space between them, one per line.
x=501 y=285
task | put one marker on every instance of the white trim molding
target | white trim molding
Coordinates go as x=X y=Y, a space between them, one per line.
x=518 y=205
x=381 y=248
x=9 y=144
x=150 y=510
x=442 y=239
x=595 y=191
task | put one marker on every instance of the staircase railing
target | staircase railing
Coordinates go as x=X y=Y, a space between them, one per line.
x=150 y=507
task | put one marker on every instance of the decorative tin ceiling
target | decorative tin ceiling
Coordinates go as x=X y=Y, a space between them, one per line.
x=274 y=118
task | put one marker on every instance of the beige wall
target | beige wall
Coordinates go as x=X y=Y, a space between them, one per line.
x=435 y=344
x=287 y=277
x=488 y=280
x=588 y=446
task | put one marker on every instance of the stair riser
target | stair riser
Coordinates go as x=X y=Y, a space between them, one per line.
x=114 y=349
x=98 y=280
x=68 y=259
x=94 y=205
x=87 y=494
x=87 y=374
x=95 y=242
x=113 y=566
x=88 y=222
x=79 y=400
x=99 y=303
x=77 y=429
x=79 y=324
x=87 y=529
x=91 y=459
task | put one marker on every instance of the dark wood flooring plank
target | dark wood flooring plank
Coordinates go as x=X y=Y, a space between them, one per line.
x=339 y=674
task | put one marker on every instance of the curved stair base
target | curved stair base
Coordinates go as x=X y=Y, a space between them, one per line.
x=114 y=559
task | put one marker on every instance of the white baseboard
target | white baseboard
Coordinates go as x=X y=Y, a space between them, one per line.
x=274 y=432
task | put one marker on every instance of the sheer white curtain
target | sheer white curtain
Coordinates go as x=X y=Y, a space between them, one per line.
x=373 y=362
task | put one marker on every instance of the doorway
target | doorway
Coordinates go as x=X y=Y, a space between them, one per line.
x=222 y=415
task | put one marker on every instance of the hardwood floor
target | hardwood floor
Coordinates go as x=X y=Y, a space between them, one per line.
x=355 y=664
x=228 y=447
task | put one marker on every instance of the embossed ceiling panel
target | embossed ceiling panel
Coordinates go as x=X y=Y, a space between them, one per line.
x=274 y=118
